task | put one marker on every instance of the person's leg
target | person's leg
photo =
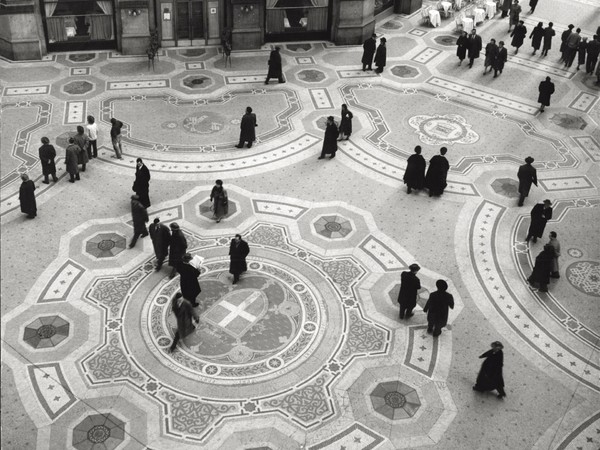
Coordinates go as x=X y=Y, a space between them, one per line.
x=409 y=313
x=236 y=278
x=543 y=286
x=136 y=235
x=83 y=167
x=267 y=80
x=437 y=330
x=175 y=341
x=46 y=180
x=402 y=311
x=160 y=259
x=77 y=175
x=94 y=145
x=120 y=155
x=115 y=145
x=501 y=392
x=521 y=199
x=471 y=62
x=249 y=144
x=430 y=327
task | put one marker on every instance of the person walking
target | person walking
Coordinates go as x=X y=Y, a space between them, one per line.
x=505 y=8
x=345 y=123
x=554 y=272
x=549 y=33
x=220 y=204
x=437 y=308
x=593 y=50
x=275 y=66
x=247 y=128
x=491 y=53
x=545 y=89
x=563 y=42
x=409 y=289
x=330 y=139
x=83 y=142
x=435 y=180
x=474 y=46
x=571 y=45
x=540 y=276
x=27 y=197
x=501 y=58
x=490 y=375
x=47 y=153
x=140 y=218
x=71 y=160
x=369 y=47
x=238 y=250
x=141 y=184
x=185 y=314
x=532 y=5
x=115 y=136
x=536 y=36
x=177 y=248
x=518 y=36
x=540 y=214
x=527 y=175
x=581 y=51
x=381 y=55
x=515 y=13
x=414 y=175
x=161 y=238
x=92 y=134
x=188 y=279
x=462 y=45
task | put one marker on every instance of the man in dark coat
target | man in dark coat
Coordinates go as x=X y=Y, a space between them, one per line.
x=409 y=288
x=27 y=197
x=188 y=280
x=546 y=89
x=581 y=52
x=505 y=8
x=490 y=376
x=330 y=140
x=115 y=136
x=83 y=142
x=247 y=129
x=177 y=248
x=184 y=313
x=549 y=33
x=141 y=185
x=501 y=57
x=527 y=176
x=381 y=55
x=593 y=50
x=462 y=46
x=518 y=35
x=368 y=52
x=238 y=250
x=47 y=154
x=161 y=238
x=437 y=308
x=474 y=46
x=275 y=69
x=71 y=160
x=540 y=214
x=536 y=37
x=140 y=217
x=435 y=180
x=515 y=12
x=491 y=53
x=563 y=42
x=414 y=176
x=532 y=5
x=543 y=268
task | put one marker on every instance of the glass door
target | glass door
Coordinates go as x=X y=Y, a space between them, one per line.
x=189 y=23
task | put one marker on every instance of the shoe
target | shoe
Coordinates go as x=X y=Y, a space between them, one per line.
x=495 y=75
x=71 y=181
x=46 y=182
x=501 y=396
x=408 y=191
x=250 y=146
x=157 y=268
x=332 y=156
x=321 y=157
x=239 y=146
x=429 y=331
x=131 y=246
x=218 y=220
x=408 y=316
x=144 y=235
x=77 y=178
x=534 y=240
x=195 y=304
x=266 y=82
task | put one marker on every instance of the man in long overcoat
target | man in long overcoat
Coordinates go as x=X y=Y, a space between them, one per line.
x=490 y=375
x=140 y=217
x=27 y=197
x=409 y=288
x=83 y=142
x=247 y=128
x=184 y=313
x=542 y=268
x=275 y=69
x=549 y=33
x=546 y=89
x=330 y=139
x=437 y=308
x=540 y=215
x=71 y=160
x=518 y=36
x=381 y=55
x=474 y=46
x=414 y=176
x=161 y=238
x=188 y=279
x=527 y=176
x=177 y=248
x=369 y=47
x=47 y=154
x=238 y=250
x=141 y=184
x=501 y=57
x=435 y=180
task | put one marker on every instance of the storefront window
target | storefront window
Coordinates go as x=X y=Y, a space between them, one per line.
x=296 y=16
x=78 y=21
x=382 y=5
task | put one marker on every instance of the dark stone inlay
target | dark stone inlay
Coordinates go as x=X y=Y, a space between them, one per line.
x=98 y=434
x=46 y=331
x=395 y=399
x=106 y=245
x=333 y=226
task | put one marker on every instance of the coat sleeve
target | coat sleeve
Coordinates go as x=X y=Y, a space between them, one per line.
x=427 y=305
x=451 y=301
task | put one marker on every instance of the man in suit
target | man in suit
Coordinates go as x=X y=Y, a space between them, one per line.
x=247 y=129
x=475 y=45
x=527 y=176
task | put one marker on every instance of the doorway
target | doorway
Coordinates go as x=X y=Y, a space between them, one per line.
x=189 y=23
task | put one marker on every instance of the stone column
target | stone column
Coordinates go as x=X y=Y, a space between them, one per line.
x=133 y=27
x=21 y=33
x=407 y=6
x=355 y=23
x=248 y=17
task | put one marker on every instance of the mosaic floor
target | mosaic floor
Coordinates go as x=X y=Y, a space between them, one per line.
x=306 y=351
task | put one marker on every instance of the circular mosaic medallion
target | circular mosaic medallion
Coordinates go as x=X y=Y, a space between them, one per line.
x=206 y=122
x=106 y=245
x=253 y=329
x=394 y=399
x=575 y=253
x=46 y=331
x=443 y=129
x=98 y=434
x=585 y=277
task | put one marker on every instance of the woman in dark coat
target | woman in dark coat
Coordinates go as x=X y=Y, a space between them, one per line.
x=542 y=268
x=518 y=35
x=184 y=313
x=409 y=288
x=500 y=59
x=462 y=46
x=238 y=250
x=546 y=89
x=71 y=160
x=188 y=280
x=218 y=197
x=47 y=154
x=536 y=36
x=380 y=56
x=247 y=129
x=141 y=185
x=275 y=69
x=437 y=308
x=177 y=249
x=330 y=139
x=435 y=180
x=27 y=197
x=490 y=375
x=414 y=176
x=345 y=123
x=540 y=214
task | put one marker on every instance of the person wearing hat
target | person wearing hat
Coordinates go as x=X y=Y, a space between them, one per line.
x=545 y=89
x=437 y=174
x=177 y=249
x=141 y=184
x=414 y=176
x=381 y=55
x=47 y=154
x=540 y=214
x=188 y=279
x=437 y=308
x=490 y=375
x=140 y=217
x=542 y=268
x=27 y=197
x=161 y=236
x=238 y=250
x=369 y=47
x=71 y=160
x=409 y=288
x=527 y=175
x=219 y=199
x=330 y=140
x=247 y=129
x=185 y=314
x=275 y=67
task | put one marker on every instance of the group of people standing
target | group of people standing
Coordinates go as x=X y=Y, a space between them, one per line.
x=435 y=178
x=333 y=133
x=372 y=52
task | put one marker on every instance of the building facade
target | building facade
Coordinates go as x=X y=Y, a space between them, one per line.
x=30 y=29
